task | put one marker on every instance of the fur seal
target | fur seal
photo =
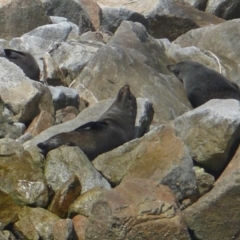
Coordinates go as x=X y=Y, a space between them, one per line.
x=202 y=83
x=25 y=61
x=113 y=128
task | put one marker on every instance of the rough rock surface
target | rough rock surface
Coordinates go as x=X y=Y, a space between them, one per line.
x=159 y=156
x=210 y=146
x=134 y=205
x=68 y=161
x=31 y=16
x=216 y=214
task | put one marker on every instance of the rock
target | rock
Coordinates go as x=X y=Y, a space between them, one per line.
x=216 y=214
x=136 y=209
x=159 y=156
x=83 y=204
x=43 y=121
x=80 y=224
x=205 y=180
x=64 y=230
x=21 y=180
x=198 y=4
x=14 y=85
x=63 y=97
x=68 y=161
x=145 y=113
x=66 y=114
x=6 y=235
x=146 y=73
x=170 y=19
x=52 y=75
x=35 y=223
x=31 y=16
x=65 y=196
x=210 y=146
x=112 y=17
x=84 y=13
x=226 y=35
x=8 y=212
x=42 y=39
x=67 y=53
x=227 y=9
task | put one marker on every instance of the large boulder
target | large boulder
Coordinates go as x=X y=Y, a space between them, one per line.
x=216 y=215
x=142 y=67
x=159 y=156
x=136 y=209
x=32 y=15
x=210 y=132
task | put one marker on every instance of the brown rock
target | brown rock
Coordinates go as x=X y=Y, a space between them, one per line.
x=80 y=224
x=43 y=121
x=8 y=211
x=158 y=155
x=216 y=215
x=171 y=19
x=31 y=16
x=136 y=209
x=66 y=114
x=65 y=196
x=64 y=230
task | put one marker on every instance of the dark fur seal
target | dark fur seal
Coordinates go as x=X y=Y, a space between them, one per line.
x=202 y=83
x=25 y=61
x=114 y=128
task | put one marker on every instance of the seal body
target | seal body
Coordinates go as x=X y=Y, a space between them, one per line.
x=202 y=83
x=25 y=61
x=114 y=128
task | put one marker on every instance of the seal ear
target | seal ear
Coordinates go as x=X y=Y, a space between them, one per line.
x=92 y=125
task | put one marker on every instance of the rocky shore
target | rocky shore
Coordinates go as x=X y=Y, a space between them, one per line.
x=179 y=178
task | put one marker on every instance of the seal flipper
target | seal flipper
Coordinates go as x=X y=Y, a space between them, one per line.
x=92 y=125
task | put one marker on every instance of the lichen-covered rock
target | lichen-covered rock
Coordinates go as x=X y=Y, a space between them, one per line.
x=21 y=179
x=35 y=223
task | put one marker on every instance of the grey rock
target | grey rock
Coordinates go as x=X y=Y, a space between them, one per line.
x=67 y=53
x=227 y=9
x=6 y=235
x=205 y=180
x=68 y=161
x=13 y=85
x=210 y=131
x=63 y=97
x=31 y=16
x=64 y=230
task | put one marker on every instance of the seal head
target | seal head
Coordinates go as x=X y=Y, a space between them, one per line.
x=25 y=61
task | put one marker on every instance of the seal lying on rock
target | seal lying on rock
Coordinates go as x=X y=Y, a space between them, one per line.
x=202 y=83
x=25 y=61
x=113 y=128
